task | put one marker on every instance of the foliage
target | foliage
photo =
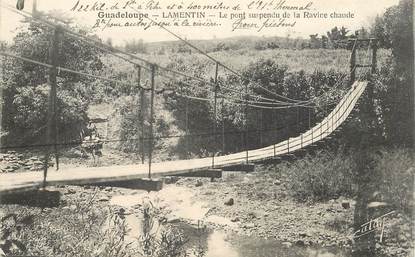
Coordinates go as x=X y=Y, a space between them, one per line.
x=25 y=90
x=10 y=228
x=394 y=81
x=328 y=175
x=79 y=229
x=396 y=168
x=239 y=43
x=130 y=128
x=134 y=46
x=336 y=35
x=264 y=78
x=169 y=242
x=321 y=177
x=340 y=223
x=395 y=30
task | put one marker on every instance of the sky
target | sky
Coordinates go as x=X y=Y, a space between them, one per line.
x=364 y=14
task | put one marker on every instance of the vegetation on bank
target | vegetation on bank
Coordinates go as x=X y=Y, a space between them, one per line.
x=329 y=175
x=80 y=230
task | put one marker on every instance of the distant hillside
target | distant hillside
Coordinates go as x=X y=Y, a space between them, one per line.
x=232 y=43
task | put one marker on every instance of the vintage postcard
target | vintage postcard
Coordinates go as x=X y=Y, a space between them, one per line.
x=196 y=128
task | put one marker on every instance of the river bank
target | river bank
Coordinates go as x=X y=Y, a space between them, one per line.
x=239 y=214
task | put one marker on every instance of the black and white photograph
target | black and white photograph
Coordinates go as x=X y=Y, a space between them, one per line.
x=197 y=128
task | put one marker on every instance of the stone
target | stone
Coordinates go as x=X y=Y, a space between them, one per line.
x=104 y=199
x=287 y=244
x=299 y=243
x=172 y=219
x=171 y=180
x=70 y=192
x=198 y=183
x=230 y=202
x=235 y=219
x=346 y=204
x=277 y=182
x=303 y=234
x=330 y=210
x=123 y=212
x=249 y=225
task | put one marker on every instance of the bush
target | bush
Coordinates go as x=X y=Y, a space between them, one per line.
x=321 y=177
x=82 y=229
x=396 y=168
x=340 y=223
x=331 y=175
x=25 y=87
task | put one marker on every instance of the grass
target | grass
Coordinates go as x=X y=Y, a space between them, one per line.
x=340 y=223
x=397 y=170
x=79 y=229
x=306 y=59
x=80 y=226
x=328 y=175
x=321 y=177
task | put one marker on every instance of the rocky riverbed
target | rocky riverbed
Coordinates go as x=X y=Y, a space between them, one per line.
x=253 y=208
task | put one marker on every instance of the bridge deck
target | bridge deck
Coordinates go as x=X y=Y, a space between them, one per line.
x=10 y=182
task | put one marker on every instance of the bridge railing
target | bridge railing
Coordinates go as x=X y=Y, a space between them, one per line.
x=317 y=133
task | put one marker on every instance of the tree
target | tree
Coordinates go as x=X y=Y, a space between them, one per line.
x=336 y=36
x=134 y=46
x=395 y=81
x=26 y=91
x=314 y=41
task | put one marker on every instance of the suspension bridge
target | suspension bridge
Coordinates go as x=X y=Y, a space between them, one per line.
x=318 y=132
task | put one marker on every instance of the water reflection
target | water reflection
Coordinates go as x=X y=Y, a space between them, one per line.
x=181 y=239
x=219 y=244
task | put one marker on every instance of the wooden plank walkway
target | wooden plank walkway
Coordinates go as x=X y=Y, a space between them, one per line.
x=12 y=182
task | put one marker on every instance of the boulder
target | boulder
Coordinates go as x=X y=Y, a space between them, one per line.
x=104 y=199
x=235 y=219
x=249 y=225
x=287 y=244
x=230 y=202
x=346 y=204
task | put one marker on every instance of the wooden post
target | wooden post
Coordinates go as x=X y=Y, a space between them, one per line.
x=276 y=131
x=215 y=115
x=140 y=114
x=34 y=8
x=353 y=64
x=187 y=127
x=142 y=107
x=298 y=119
x=151 y=143
x=246 y=122
x=261 y=127
x=275 y=150
x=2 y=63
x=301 y=140
x=374 y=56
x=309 y=118
x=312 y=135
x=51 y=120
x=223 y=126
